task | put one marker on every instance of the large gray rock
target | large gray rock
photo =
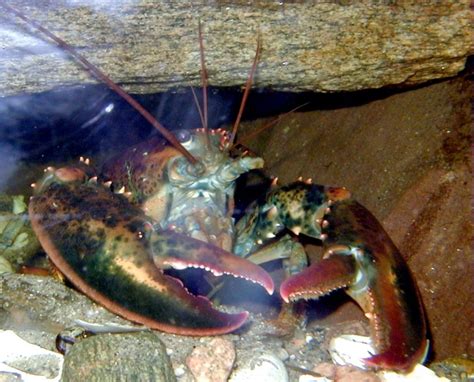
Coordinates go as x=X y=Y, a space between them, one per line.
x=118 y=357
x=151 y=46
x=38 y=308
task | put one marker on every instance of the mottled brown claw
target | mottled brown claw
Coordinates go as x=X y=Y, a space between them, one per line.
x=101 y=243
x=378 y=279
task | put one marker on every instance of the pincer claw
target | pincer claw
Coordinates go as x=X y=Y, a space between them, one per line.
x=114 y=257
x=361 y=258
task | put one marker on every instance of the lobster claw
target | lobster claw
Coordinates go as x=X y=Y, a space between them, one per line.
x=361 y=257
x=108 y=249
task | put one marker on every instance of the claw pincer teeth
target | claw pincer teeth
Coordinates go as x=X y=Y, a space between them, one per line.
x=124 y=254
x=109 y=274
x=360 y=258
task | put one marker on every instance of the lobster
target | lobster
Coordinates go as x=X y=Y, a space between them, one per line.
x=169 y=205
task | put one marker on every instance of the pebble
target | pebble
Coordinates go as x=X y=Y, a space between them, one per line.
x=212 y=362
x=333 y=372
x=264 y=366
x=311 y=378
x=179 y=371
x=282 y=354
x=419 y=373
x=118 y=357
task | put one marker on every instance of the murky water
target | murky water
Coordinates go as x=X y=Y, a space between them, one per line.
x=58 y=126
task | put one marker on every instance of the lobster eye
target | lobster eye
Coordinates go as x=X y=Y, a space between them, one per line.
x=183 y=136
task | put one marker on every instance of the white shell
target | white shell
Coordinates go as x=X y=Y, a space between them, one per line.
x=419 y=374
x=310 y=378
x=15 y=349
x=260 y=367
x=350 y=349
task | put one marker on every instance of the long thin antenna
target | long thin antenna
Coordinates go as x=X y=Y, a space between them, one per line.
x=101 y=76
x=269 y=124
x=248 y=85
x=196 y=102
x=204 y=78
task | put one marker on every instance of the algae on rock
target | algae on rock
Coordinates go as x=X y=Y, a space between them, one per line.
x=18 y=242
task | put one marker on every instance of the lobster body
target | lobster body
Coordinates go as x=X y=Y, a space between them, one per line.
x=173 y=209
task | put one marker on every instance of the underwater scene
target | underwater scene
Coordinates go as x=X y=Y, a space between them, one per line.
x=234 y=191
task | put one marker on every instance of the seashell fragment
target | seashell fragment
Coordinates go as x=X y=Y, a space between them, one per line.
x=261 y=367
x=22 y=354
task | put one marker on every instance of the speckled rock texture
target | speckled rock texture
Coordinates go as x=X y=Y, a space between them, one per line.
x=38 y=308
x=151 y=46
x=118 y=357
x=212 y=362
x=406 y=157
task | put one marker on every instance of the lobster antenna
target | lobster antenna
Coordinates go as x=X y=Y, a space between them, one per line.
x=248 y=85
x=204 y=79
x=196 y=102
x=269 y=124
x=101 y=76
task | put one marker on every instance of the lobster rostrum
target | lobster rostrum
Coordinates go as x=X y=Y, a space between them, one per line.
x=172 y=208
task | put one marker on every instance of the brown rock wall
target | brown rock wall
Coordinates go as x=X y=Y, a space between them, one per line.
x=407 y=158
